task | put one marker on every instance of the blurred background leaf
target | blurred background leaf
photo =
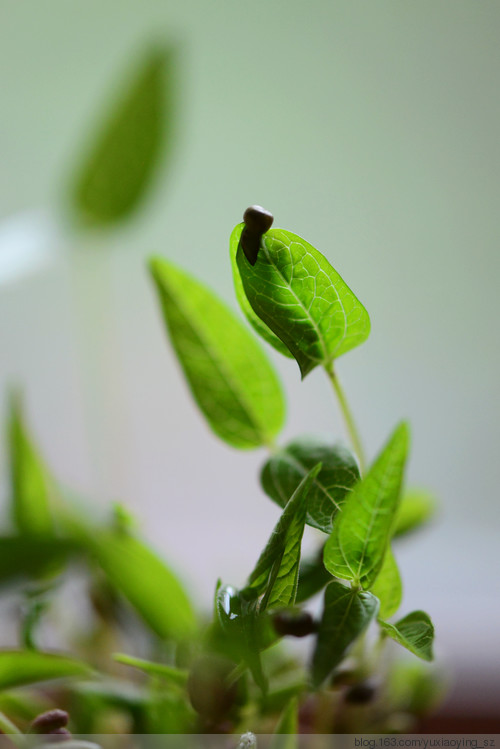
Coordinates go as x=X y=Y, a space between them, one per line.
x=124 y=155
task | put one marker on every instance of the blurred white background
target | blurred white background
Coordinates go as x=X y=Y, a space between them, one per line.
x=371 y=129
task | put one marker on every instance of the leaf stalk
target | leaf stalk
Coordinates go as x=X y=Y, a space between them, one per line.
x=347 y=416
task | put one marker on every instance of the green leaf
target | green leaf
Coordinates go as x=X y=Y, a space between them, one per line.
x=284 y=471
x=19 y=667
x=296 y=293
x=277 y=569
x=388 y=586
x=356 y=547
x=245 y=631
x=229 y=375
x=346 y=615
x=178 y=676
x=144 y=579
x=33 y=558
x=287 y=729
x=313 y=576
x=120 y=162
x=255 y=321
x=415 y=632
x=31 y=484
x=416 y=508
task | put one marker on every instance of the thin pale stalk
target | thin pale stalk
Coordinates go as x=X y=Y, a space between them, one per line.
x=347 y=416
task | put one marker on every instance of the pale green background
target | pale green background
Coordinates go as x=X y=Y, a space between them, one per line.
x=370 y=128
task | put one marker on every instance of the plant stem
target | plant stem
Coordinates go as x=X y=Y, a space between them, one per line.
x=347 y=415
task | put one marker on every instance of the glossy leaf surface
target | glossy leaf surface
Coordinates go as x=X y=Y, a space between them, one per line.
x=388 y=586
x=245 y=632
x=356 y=547
x=122 y=158
x=346 y=615
x=277 y=569
x=284 y=471
x=19 y=667
x=296 y=293
x=415 y=632
x=229 y=375
x=260 y=327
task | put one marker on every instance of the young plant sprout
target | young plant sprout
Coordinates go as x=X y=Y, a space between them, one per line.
x=234 y=673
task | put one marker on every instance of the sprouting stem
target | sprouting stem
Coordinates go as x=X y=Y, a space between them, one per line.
x=347 y=415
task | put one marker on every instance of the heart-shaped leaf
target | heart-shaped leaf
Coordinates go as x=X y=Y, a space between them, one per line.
x=302 y=299
x=229 y=375
x=346 y=615
x=356 y=547
x=284 y=471
x=415 y=632
x=255 y=321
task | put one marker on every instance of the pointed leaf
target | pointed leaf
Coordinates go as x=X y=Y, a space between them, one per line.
x=356 y=547
x=31 y=484
x=177 y=676
x=284 y=471
x=388 y=586
x=260 y=327
x=19 y=667
x=346 y=615
x=296 y=293
x=416 y=508
x=277 y=569
x=415 y=632
x=229 y=375
x=145 y=580
x=245 y=631
x=122 y=159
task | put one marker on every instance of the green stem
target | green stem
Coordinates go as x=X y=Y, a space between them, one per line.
x=8 y=728
x=348 y=417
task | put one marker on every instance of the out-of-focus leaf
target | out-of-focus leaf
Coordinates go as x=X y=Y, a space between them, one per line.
x=286 y=731
x=19 y=667
x=346 y=614
x=356 y=547
x=29 y=558
x=284 y=471
x=229 y=375
x=388 y=587
x=415 y=632
x=31 y=484
x=255 y=321
x=145 y=580
x=122 y=158
x=176 y=675
x=277 y=569
x=296 y=293
x=313 y=576
x=416 y=508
